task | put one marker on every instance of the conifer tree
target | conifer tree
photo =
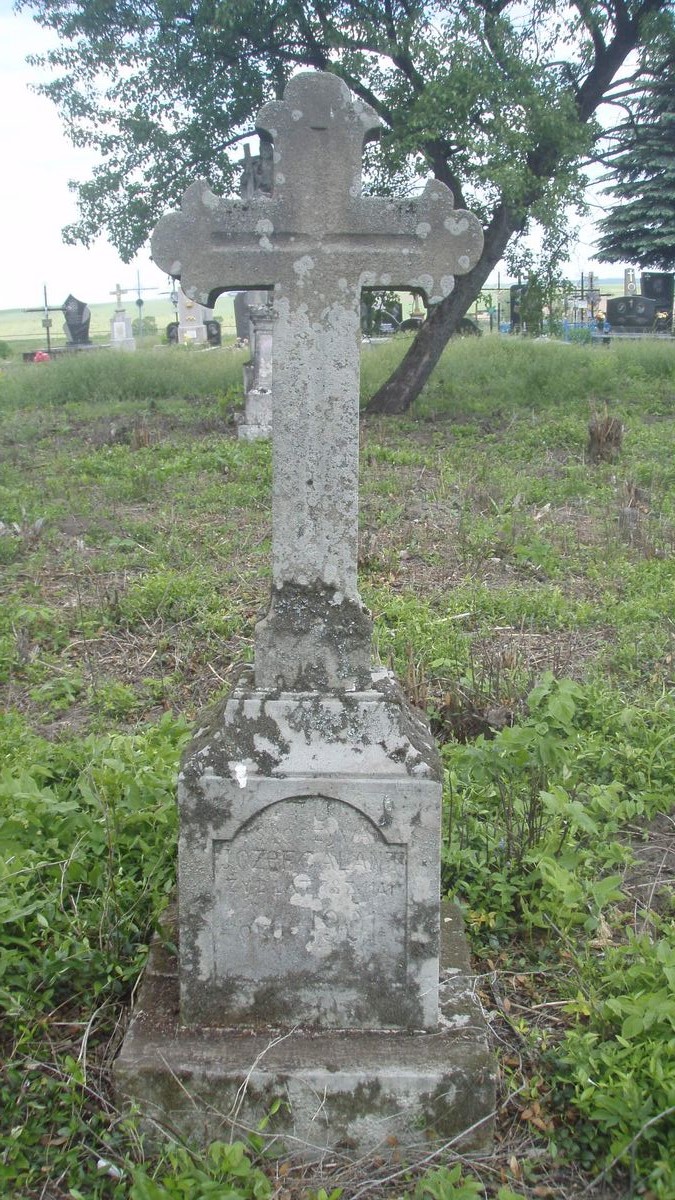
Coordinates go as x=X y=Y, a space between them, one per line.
x=640 y=226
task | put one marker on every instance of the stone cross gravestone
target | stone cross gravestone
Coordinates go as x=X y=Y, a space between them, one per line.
x=317 y=241
x=121 y=329
x=309 y=852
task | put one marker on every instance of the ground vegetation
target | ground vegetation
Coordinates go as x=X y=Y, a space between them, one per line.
x=524 y=594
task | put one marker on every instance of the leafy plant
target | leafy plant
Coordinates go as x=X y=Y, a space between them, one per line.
x=447 y=1183
x=224 y=1172
x=525 y=810
x=618 y=1061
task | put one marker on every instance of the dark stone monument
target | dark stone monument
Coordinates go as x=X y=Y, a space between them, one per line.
x=660 y=286
x=631 y=314
x=517 y=293
x=77 y=316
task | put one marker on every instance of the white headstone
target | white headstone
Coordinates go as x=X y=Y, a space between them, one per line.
x=192 y=318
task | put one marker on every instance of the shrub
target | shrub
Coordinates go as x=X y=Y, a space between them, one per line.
x=619 y=1062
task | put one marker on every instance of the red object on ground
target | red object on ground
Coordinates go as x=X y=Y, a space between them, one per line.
x=41 y=356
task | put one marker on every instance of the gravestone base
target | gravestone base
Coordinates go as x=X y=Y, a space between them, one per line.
x=256 y=420
x=309 y=861
x=314 y=966
x=344 y=1092
x=121 y=332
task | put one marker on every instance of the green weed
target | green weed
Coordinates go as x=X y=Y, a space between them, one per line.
x=533 y=810
x=224 y=1170
x=616 y=1066
x=87 y=829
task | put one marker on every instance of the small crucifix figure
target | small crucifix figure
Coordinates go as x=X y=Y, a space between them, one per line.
x=317 y=241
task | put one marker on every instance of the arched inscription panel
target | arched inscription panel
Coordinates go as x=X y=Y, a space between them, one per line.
x=309 y=887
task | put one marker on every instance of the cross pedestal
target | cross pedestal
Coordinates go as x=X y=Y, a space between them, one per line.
x=121 y=328
x=309 y=851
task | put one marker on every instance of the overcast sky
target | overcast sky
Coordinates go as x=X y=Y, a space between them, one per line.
x=37 y=161
x=35 y=203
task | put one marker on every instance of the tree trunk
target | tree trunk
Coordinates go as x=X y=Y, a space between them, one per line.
x=406 y=382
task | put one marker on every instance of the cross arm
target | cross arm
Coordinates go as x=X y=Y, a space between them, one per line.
x=421 y=243
x=213 y=244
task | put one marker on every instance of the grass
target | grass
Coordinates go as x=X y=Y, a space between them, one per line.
x=524 y=594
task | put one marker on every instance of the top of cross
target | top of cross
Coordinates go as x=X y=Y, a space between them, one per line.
x=318 y=131
x=118 y=293
x=316 y=208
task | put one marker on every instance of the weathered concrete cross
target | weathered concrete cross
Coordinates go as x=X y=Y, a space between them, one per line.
x=118 y=293
x=317 y=241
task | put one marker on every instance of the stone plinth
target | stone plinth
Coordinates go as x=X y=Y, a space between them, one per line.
x=353 y=1092
x=310 y=964
x=309 y=862
x=192 y=318
x=121 y=332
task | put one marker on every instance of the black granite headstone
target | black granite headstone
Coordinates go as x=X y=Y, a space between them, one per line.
x=77 y=316
x=631 y=313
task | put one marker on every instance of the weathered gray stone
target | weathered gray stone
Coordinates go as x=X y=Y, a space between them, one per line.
x=310 y=801
x=343 y=1091
x=309 y=862
x=257 y=418
x=317 y=241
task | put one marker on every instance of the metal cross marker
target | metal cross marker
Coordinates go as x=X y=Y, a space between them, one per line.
x=317 y=241
x=46 y=319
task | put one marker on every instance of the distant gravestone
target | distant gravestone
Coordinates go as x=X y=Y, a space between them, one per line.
x=192 y=320
x=256 y=420
x=121 y=325
x=254 y=316
x=257 y=174
x=240 y=305
x=660 y=287
x=631 y=314
x=78 y=317
x=309 y=801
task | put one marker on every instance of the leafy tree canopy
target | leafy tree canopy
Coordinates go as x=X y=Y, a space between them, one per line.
x=493 y=97
x=640 y=226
